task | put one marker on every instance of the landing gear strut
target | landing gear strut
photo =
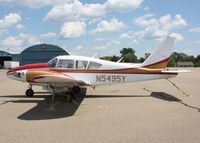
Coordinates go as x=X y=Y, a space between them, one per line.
x=29 y=92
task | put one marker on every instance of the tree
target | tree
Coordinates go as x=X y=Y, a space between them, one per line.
x=108 y=58
x=115 y=58
x=125 y=51
x=141 y=60
x=171 y=62
x=130 y=58
x=197 y=59
x=146 y=55
x=129 y=55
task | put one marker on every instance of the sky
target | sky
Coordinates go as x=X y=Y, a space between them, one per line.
x=100 y=27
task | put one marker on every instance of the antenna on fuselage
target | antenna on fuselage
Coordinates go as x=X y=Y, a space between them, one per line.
x=99 y=52
x=94 y=56
x=120 y=59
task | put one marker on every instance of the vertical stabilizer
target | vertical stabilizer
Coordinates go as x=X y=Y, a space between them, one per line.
x=159 y=58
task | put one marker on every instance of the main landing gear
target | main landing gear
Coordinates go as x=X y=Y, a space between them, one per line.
x=70 y=96
x=29 y=92
x=76 y=89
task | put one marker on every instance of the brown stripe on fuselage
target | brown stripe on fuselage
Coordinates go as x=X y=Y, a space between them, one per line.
x=158 y=65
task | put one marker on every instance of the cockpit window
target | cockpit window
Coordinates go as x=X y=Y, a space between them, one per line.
x=81 y=64
x=63 y=64
x=94 y=65
x=52 y=62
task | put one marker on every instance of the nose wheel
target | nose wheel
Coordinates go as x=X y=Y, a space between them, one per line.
x=29 y=92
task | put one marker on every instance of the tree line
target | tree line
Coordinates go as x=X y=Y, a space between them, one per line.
x=129 y=56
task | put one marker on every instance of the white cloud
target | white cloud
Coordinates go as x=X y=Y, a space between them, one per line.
x=12 y=41
x=197 y=42
x=106 y=48
x=17 y=43
x=108 y=26
x=19 y=26
x=79 y=47
x=129 y=38
x=101 y=39
x=85 y=9
x=47 y=35
x=177 y=36
x=145 y=20
x=127 y=35
x=122 y=5
x=179 y=21
x=158 y=28
x=76 y=10
x=32 y=3
x=72 y=29
x=9 y=21
x=197 y=29
x=21 y=40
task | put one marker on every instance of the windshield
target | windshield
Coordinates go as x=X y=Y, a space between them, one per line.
x=52 y=62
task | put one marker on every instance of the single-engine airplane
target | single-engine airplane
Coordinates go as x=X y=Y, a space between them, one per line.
x=66 y=74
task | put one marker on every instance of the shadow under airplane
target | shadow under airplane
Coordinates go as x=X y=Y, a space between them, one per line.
x=42 y=111
x=62 y=109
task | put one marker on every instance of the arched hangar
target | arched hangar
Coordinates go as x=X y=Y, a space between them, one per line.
x=40 y=53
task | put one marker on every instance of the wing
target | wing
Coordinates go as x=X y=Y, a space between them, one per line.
x=52 y=77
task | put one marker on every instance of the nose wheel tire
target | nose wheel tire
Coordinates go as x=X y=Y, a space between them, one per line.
x=29 y=92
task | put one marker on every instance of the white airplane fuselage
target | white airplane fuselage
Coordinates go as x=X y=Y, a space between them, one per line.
x=108 y=72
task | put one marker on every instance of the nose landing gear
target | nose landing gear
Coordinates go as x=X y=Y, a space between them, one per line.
x=29 y=92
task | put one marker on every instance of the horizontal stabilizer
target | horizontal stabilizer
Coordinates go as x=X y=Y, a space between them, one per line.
x=176 y=71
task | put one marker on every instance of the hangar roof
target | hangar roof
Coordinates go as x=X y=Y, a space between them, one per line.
x=43 y=47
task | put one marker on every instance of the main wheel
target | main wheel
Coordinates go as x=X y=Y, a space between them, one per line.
x=76 y=89
x=29 y=92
